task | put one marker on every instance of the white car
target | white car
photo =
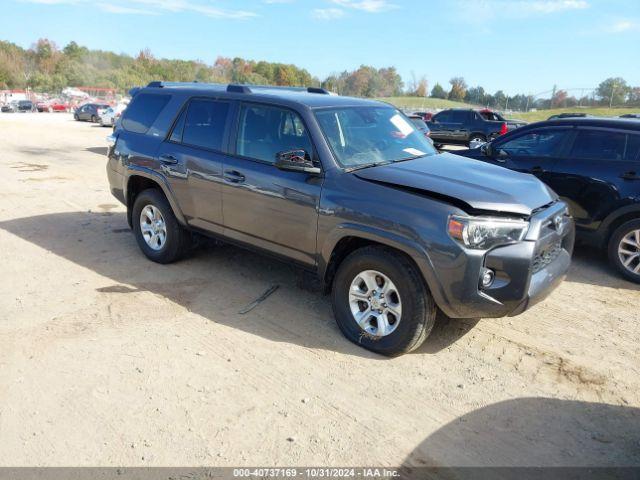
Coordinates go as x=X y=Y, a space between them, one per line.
x=110 y=115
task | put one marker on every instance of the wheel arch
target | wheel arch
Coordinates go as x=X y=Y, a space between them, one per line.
x=347 y=238
x=139 y=180
x=615 y=219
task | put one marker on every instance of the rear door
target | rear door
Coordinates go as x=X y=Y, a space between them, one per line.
x=459 y=124
x=599 y=174
x=262 y=205
x=191 y=158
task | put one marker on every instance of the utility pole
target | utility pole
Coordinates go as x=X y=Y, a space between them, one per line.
x=613 y=86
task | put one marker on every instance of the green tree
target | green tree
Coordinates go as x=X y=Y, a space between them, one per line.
x=438 y=92
x=613 y=91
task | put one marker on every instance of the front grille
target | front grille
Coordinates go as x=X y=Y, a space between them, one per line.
x=546 y=256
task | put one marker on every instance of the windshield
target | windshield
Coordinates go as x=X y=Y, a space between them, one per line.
x=362 y=136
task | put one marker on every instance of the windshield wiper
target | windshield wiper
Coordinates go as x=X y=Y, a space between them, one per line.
x=366 y=165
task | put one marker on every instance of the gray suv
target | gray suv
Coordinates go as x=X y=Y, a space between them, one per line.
x=345 y=188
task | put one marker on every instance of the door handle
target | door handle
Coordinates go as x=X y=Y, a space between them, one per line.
x=233 y=176
x=537 y=169
x=630 y=176
x=168 y=159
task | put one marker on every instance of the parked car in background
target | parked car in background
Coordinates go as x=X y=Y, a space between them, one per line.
x=462 y=126
x=426 y=116
x=10 y=107
x=54 y=105
x=560 y=116
x=346 y=188
x=90 y=112
x=594 y=165
x=512 y=123
x=109 y=116
x=26 y=106
x=631 y=115
x=421 y=125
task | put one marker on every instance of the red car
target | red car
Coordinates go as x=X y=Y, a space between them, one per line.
x=53 y=106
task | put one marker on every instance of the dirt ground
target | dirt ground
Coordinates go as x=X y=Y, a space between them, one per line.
x=109 y=359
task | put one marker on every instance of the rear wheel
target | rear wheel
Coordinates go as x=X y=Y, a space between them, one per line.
x=94 y=119
x=476 y=137
x=158 y=233
x=624 y=250
x=380 y=301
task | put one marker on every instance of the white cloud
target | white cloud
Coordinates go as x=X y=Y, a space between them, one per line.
x=371 y=6
x=549 y=6
x=621 y=26
x=327 y=13
x=157 y=7
x=121 y=9
x=482 y=11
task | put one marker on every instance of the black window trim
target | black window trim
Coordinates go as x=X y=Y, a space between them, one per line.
x=233 y=139
x=224 y=147
x=564 y=149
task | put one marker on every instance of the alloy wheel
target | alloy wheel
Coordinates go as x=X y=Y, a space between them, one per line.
x=375 y=303
x=629 y=251
x=153 y=227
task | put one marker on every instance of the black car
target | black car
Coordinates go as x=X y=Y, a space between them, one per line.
x=345 y=188
x=458 y=126
x=560 y=116
x=90 y=112
x=25 y=106
x=631 y=115
x=594 y=165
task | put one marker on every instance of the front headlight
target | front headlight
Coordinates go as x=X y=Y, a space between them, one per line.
x=483 y=233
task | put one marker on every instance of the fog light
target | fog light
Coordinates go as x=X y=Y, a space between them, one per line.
x=487 y=278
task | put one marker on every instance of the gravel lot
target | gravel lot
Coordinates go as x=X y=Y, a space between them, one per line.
x=109 y=359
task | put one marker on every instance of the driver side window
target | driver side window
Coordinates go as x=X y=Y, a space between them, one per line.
x=542 y=143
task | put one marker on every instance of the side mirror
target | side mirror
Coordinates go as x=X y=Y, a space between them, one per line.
x=486 y=149
x=296 y=161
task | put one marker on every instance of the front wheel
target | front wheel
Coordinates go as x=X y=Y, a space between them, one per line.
x=624 y=250
x=94 y=119
x=157 y=230
x=381 y=303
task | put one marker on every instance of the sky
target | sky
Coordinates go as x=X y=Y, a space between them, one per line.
x=519 y=46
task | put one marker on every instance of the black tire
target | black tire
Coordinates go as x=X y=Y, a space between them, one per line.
x=476 y=136
x=418 y=308
x=614 y=243
x=94 y=119
x=75 y=117
x=178 y=239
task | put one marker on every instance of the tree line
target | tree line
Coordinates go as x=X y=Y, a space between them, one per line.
x=44 y=67
x=612 y=92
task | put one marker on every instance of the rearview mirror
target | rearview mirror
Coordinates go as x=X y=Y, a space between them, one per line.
x=296 y=161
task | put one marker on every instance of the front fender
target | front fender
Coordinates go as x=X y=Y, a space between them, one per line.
x=391 y=239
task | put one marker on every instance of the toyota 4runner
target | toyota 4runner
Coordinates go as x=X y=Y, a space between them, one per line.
x=346 y=188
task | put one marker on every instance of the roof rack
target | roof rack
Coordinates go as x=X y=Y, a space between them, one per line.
x=239 y=88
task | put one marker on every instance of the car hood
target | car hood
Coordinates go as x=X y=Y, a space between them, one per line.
x=461 y=180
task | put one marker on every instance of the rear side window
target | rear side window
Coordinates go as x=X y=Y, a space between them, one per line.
x=143 y=111
x=202 y=124
x=458 y=116
x=265 y=131
x=598 y=145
